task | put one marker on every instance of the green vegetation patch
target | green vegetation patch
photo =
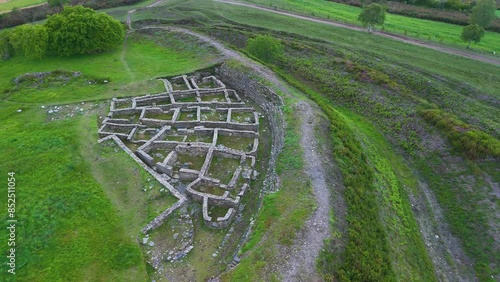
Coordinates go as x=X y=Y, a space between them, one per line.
x=473 y=142
x=129 y=70
x=68 y=229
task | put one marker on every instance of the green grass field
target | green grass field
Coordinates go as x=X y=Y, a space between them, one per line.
x=11 y=4
x=78 y=212
x=67 y=228
x=426 y=30
x=129 y=69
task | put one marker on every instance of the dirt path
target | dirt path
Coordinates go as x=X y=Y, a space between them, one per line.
x=301 y=265
x=445 y=251
x=306 y=249
x=452 y=51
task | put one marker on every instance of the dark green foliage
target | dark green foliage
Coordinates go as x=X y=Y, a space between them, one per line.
x=483 y=13
x=472 y=142
x=80 y=30
x=373 y=14
x=6 y=48
x=472 y=33
x=30 y=40
x=265 y=47
x=56 y=3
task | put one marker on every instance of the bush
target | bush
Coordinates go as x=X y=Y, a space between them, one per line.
x=80 y=30
x=265 y=48
x=474 y=143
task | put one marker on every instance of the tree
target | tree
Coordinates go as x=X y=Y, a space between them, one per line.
x=483 y=14
x=371 y=15
x=31 y=40
x=265 y=47
x=472 y=33
x=80 y=30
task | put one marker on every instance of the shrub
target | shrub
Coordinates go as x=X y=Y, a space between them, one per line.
x=474 y=143
x=265 y=48
x=472 y=33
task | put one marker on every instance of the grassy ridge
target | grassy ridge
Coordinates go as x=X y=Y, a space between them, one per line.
x=367 y=251
x=392 y=180
x=413 y=27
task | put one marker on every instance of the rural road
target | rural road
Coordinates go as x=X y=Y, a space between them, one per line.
x=452 y=51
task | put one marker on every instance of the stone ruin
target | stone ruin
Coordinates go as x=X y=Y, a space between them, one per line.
x=198 y=139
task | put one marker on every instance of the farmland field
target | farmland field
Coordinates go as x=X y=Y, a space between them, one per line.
x=7 y=5
x=426 y=30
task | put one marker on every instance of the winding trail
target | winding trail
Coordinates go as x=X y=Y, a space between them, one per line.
x=308 y=244
x=447 y=50
x=301 y=264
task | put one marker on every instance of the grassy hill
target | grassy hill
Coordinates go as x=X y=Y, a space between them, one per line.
x=414 y=134
x=386 y=82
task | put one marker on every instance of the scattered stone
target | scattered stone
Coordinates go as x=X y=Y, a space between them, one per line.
x=145 y=240
x=151 y=243
x=20 y=110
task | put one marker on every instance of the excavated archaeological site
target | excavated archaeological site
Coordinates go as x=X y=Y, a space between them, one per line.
x=199 y=139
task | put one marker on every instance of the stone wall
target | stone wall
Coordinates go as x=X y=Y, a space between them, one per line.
x=271 y=104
